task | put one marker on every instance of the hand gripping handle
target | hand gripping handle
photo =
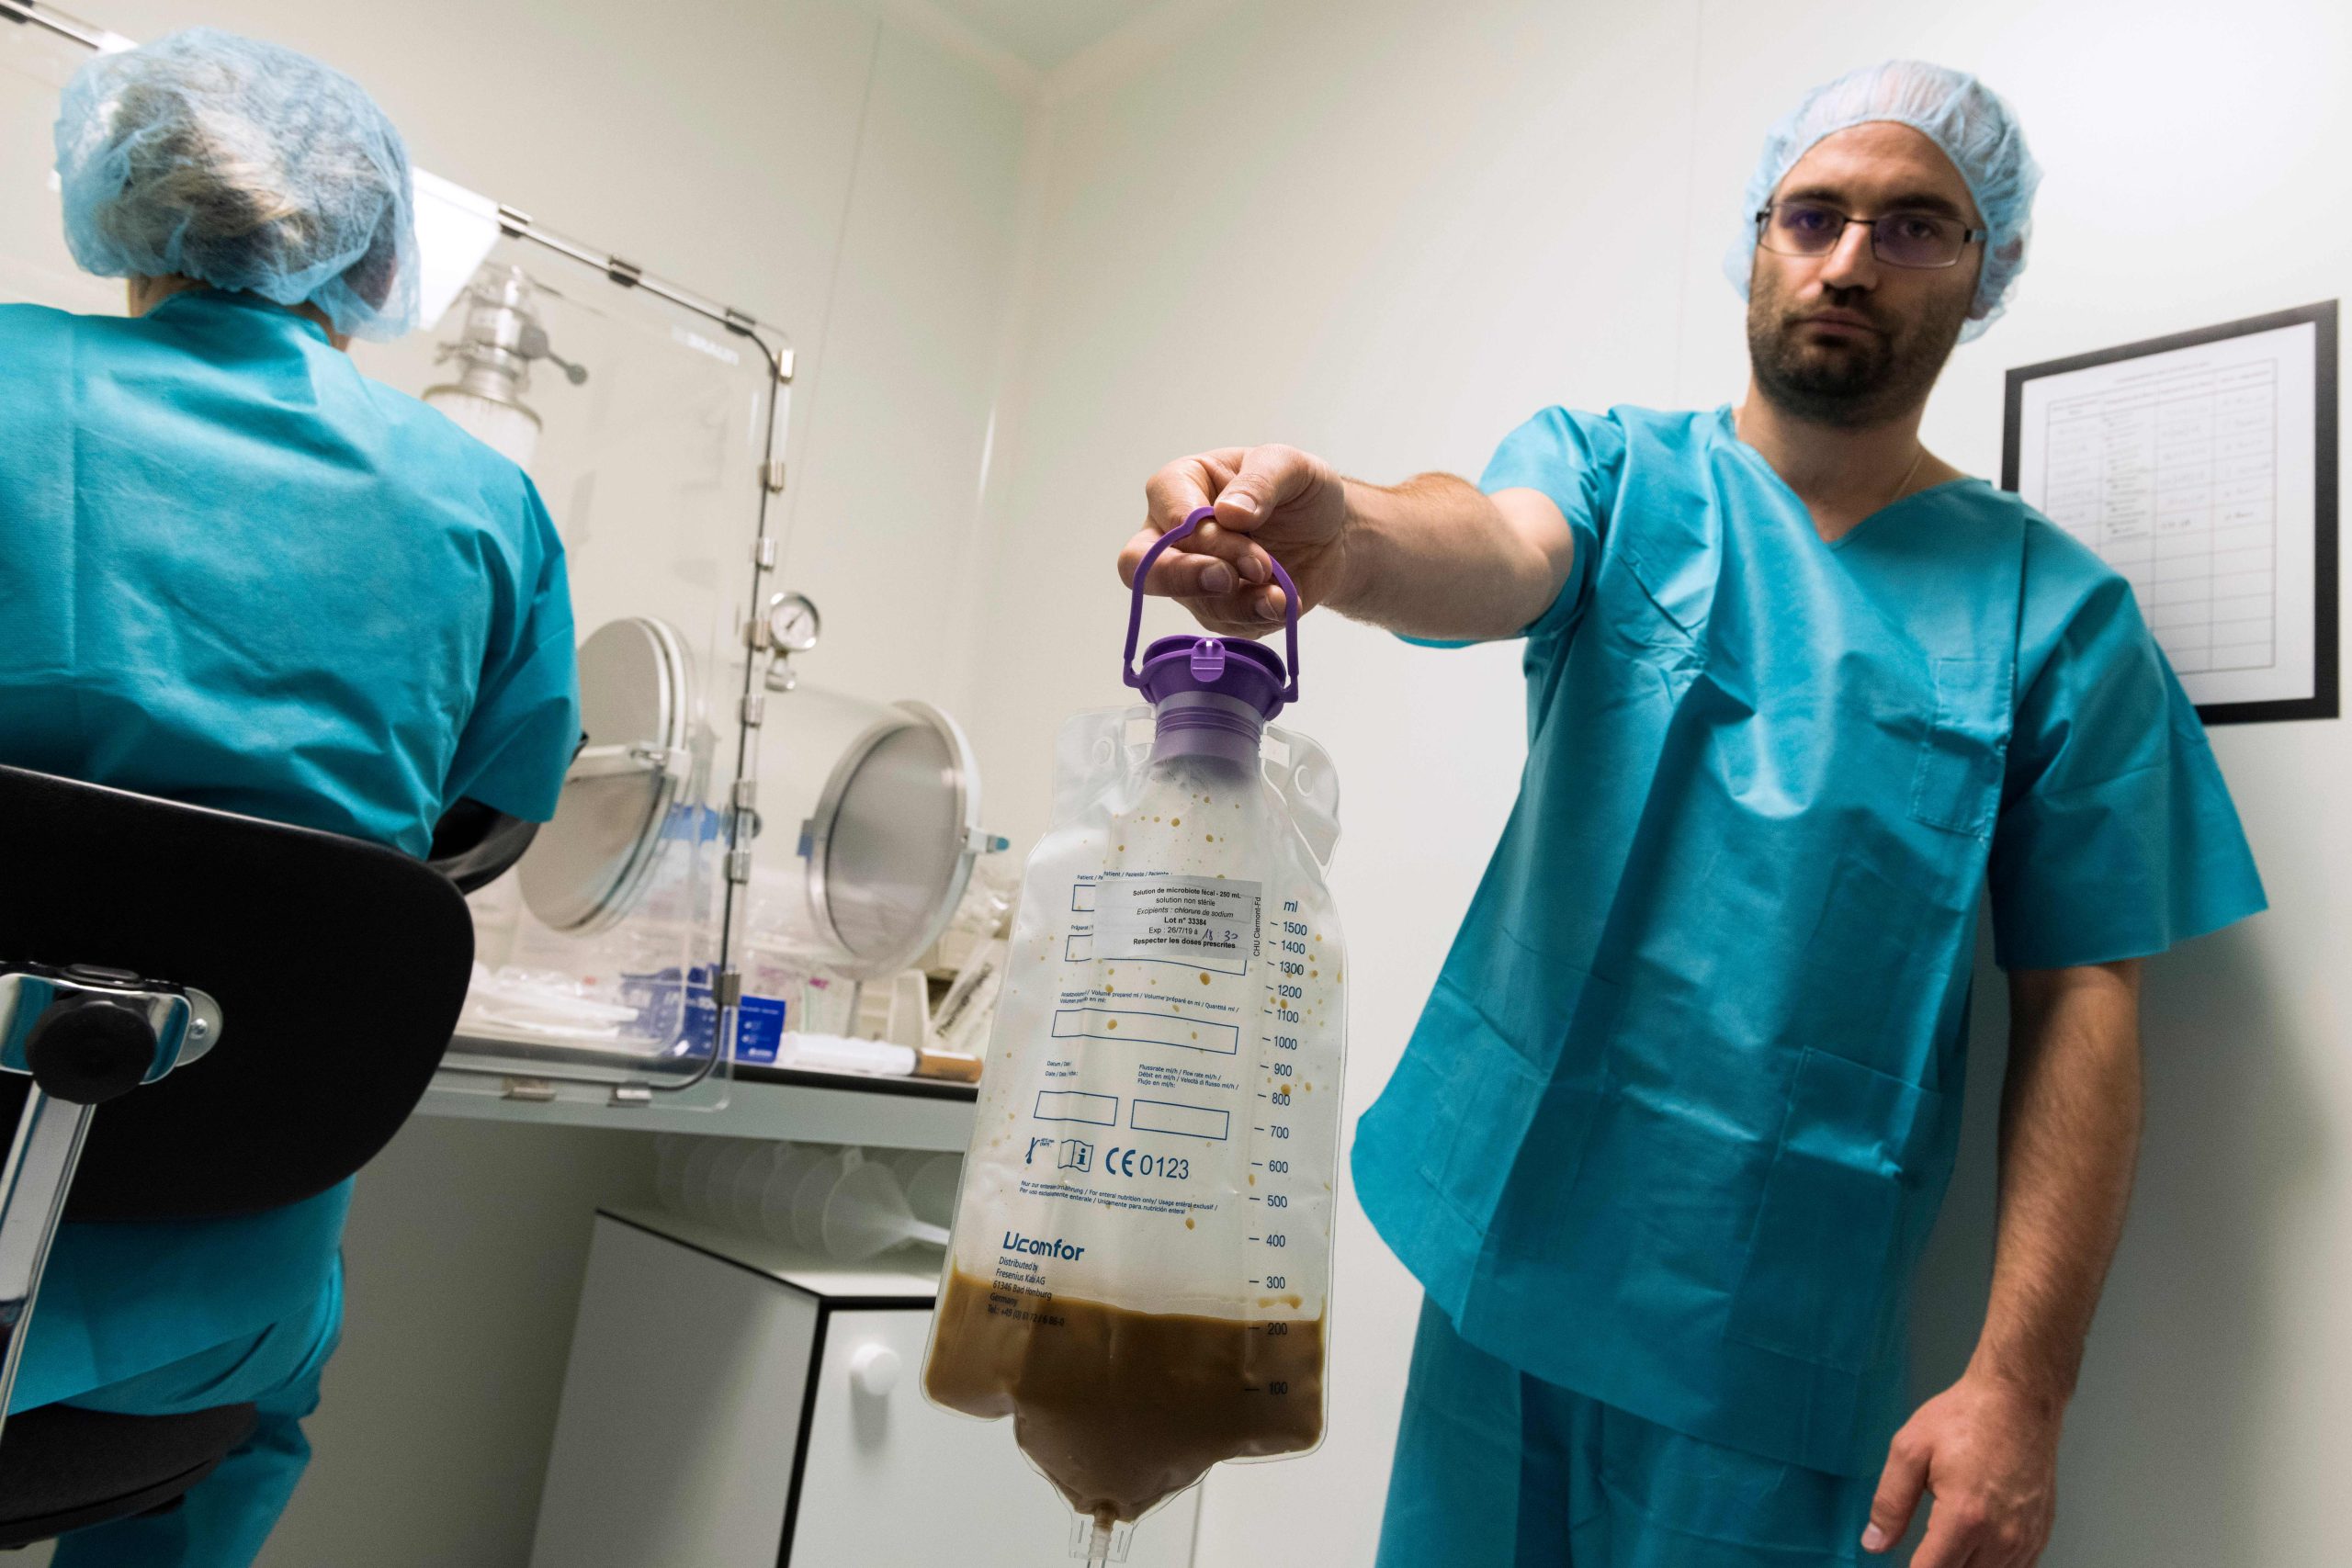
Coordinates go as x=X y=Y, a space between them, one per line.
x=1199 y=515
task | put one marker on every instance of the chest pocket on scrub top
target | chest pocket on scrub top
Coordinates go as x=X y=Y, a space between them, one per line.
x=1957 y=783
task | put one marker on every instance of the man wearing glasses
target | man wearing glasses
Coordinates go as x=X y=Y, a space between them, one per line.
x=1669 y=1137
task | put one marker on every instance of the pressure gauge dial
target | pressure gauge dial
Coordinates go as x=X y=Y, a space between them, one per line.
x=793 y=623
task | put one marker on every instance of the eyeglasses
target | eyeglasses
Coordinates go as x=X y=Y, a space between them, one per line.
x=1898 y=239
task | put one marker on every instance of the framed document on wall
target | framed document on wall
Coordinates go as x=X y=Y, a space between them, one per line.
x=2203 y=467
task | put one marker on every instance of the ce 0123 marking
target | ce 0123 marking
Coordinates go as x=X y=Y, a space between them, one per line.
x=1119 y=1160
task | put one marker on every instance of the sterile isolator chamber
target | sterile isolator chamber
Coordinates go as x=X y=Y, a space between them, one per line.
x=717 y=806
x=728 y=836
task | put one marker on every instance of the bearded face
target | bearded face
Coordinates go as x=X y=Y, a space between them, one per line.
x=1845 y=338
x=1854 y=376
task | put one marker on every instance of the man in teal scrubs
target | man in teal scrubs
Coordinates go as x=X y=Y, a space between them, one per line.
x=238 y=573
x=1668 y=1139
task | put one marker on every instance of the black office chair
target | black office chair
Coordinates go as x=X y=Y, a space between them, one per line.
x=135 y=936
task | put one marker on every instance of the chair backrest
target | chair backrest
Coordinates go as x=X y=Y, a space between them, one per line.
x=339 y=966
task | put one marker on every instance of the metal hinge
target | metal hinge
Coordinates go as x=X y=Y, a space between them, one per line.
x=747 y=794
x=629 y=274
x=529 y=1089
x=757 y=635
x=763 y=554
x=513 y=222
x=632 y=1094
x=784 y=365
x=754 y=708
x=772 y=476
x=738 y=321
x=728 y=992
x=738 y=865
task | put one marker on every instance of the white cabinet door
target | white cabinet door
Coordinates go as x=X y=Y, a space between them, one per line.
x=891 y=1480
x=681 y=1405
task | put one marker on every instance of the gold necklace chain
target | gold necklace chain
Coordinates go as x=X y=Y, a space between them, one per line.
x=1905 y=483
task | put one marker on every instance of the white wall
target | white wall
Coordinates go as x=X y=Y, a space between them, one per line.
x=893 y=422
x=1389 y=230
x=848 y=170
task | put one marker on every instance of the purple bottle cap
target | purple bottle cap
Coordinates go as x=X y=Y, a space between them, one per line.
x=1227 y=667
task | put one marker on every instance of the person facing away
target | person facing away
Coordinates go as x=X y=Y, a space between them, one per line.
x=237 y=573
x=1667 y=1141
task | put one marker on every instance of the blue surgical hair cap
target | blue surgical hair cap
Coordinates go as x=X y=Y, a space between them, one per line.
x=1977 y=130
x=243 y=166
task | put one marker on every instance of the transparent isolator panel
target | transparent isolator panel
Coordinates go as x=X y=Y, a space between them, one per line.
x=645 y=427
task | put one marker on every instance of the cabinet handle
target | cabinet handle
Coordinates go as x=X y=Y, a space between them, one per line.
x=874 y=1371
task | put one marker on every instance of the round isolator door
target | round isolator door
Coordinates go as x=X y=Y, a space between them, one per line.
x=892 y=843
x=586 y=869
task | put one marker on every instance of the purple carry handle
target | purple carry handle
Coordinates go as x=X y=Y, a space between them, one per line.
x=1199 y=515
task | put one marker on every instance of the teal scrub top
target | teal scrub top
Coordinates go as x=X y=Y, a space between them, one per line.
x=234 y=572
x=1675 y=1124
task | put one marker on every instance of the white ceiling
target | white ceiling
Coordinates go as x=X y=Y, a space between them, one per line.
x=1044 y=33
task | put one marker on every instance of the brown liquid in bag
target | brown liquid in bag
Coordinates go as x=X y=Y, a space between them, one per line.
x=1122 y=1409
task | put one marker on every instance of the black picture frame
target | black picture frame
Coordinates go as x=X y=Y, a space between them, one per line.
x=2323 y=702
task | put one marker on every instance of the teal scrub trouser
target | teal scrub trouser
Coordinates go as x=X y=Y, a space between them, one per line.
x=226 y=1517
x=1496 y=1468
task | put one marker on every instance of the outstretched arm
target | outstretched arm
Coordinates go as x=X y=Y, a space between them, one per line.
x=1432 y=556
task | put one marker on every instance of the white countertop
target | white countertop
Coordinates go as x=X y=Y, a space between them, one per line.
x=836 y=1108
